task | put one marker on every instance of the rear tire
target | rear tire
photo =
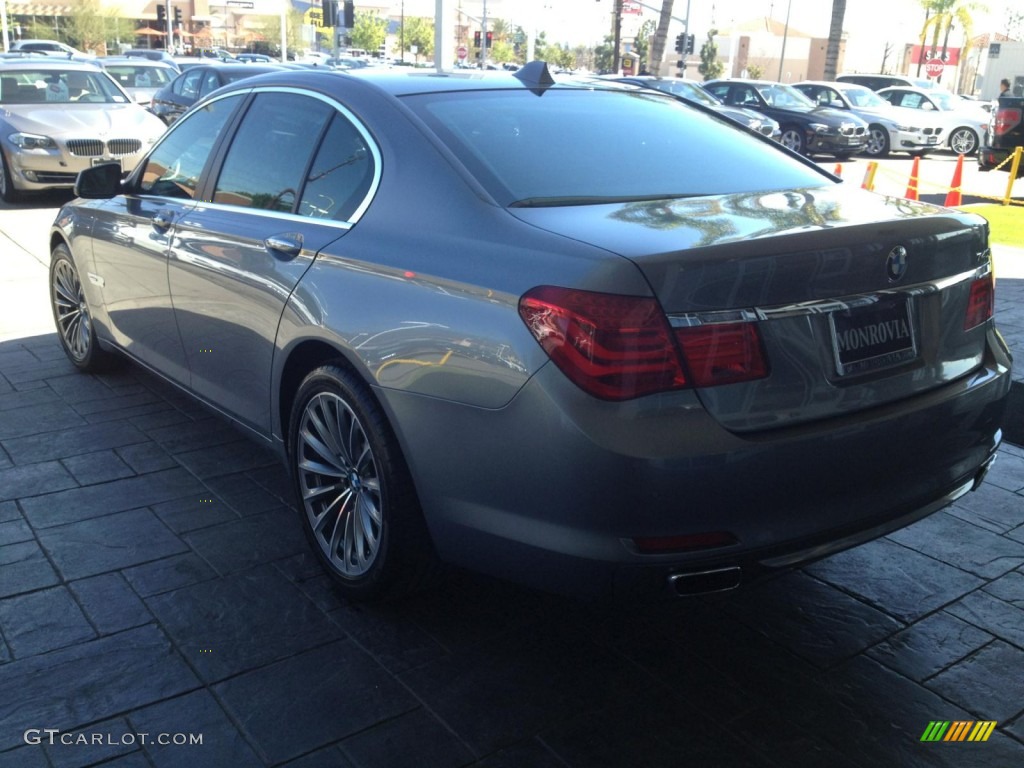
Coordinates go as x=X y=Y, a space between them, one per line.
x=355 y=494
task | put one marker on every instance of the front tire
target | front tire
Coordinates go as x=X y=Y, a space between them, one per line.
x=358 y=505
x=963 y=141
x=72 y=316
x=7 y=189
x=793 y=138
x=878 y=142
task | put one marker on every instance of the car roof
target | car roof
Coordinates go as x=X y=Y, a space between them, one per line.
x=135 y=61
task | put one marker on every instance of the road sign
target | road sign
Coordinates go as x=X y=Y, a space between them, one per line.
x=934 y=67
x=463 y=52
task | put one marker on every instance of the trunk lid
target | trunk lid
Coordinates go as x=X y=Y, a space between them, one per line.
x=860 y=299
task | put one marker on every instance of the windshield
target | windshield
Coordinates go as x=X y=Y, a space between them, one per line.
x=138 y=76
x=583 y=146
x=27 y=86
x=946 y=101
x=779 y=95
x=865 y=97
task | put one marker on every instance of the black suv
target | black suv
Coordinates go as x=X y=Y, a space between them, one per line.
x=1005 y=133
x=806 y=128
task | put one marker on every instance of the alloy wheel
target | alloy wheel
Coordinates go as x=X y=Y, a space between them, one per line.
x=71 y=310
x=339 y=484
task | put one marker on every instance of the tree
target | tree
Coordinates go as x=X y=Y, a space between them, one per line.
x=369 y=32
x=835 y=36
x=604 y=55
x=419 y=32
x=709 y=65
x=658 y=47
x=270 y=28
x=940 y=16
x=642 y=42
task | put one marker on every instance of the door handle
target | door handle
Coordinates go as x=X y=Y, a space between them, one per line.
x=286 y=245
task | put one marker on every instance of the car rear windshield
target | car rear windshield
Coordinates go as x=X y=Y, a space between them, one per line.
x=575 y=146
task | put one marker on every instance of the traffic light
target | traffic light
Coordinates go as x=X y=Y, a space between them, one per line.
x=476 y=39
x=680 y=43
x=161 y=16
x=490 y=39
x=177 y=16
x=349 y=15
x=689 y=43
x=330 y=13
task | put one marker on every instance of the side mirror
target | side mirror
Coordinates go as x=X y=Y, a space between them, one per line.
x=99 y=182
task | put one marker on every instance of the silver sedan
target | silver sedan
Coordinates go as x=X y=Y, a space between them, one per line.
x=59 y=117
x=580 y=335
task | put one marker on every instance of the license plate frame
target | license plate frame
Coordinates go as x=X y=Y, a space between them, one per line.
x=104 y=161
x=874 y=336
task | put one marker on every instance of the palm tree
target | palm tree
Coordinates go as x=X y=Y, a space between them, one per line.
x=835 y=35
x=658 y=47
x=940 y=16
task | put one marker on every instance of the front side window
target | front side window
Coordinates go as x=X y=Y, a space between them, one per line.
x=187 y=86
x=174 y=167
x=269 y=156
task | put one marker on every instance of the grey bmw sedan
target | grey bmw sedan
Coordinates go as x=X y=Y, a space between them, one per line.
x=575 y=334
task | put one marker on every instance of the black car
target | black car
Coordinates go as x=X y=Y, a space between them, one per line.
x=692 y=93
x=806 y=128
x=1004 y=135
x=171 y=101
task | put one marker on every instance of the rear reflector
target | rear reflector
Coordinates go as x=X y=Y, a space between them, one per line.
x=980 y=303
x=653 y=545
x=724 y=353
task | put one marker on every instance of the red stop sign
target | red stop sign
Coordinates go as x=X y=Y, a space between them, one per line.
x=934 y=67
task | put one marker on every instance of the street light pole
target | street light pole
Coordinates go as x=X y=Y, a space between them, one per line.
x=785 y=34
x=402 y=43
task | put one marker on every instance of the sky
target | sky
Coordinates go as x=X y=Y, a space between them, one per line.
x=588 y=21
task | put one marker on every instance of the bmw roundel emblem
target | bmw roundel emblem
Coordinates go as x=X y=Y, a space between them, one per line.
x=896 y=263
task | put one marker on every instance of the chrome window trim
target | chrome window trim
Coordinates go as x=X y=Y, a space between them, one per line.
x=346 y=225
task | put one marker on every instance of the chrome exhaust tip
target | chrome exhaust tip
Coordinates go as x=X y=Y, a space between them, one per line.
x=705 y=582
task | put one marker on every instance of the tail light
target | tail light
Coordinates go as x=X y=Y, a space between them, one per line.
x=621 y=347
x=980 y=303
x=1005 y=120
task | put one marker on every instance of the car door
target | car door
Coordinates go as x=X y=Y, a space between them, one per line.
x=132 y=236
x=237 y=257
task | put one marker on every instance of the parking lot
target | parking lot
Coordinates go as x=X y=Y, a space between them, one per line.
x=154 y=580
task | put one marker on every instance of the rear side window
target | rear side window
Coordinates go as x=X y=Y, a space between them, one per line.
x=341 y=175
x=272 y=151
x=573 y=147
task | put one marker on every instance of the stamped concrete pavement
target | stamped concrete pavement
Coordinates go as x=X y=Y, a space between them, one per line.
x=155 y=587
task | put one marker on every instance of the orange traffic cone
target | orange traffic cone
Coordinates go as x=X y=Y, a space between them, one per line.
x=839 y=170
x=953 y=197
x=912 y=184
x=869 y=176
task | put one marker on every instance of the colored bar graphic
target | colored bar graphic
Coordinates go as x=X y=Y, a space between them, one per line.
x=958 y=730
x=935 y=731
x=982 y=731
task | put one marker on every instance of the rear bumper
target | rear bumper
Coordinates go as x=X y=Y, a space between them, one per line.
x=990 y=158
x=552 y=489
